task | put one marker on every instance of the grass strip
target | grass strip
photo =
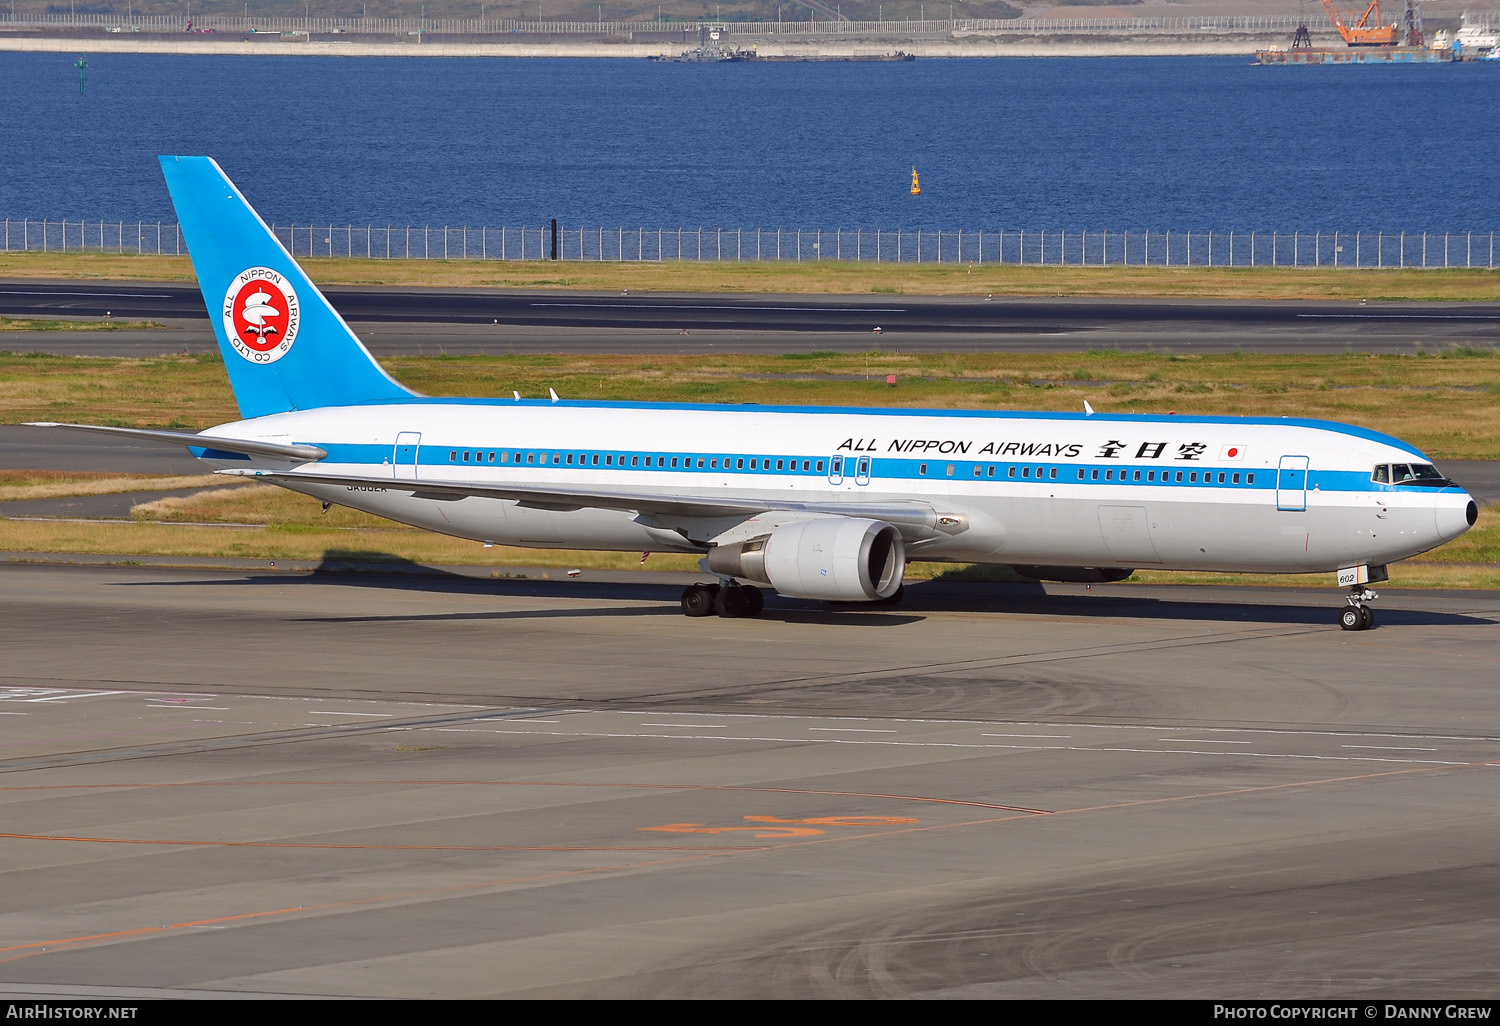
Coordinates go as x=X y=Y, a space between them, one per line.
x=833 y=277
x=1446 y=402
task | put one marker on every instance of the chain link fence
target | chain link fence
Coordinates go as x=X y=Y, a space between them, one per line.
x=1317 y=248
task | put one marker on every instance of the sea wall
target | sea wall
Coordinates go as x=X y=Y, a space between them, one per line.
x=1092 y=46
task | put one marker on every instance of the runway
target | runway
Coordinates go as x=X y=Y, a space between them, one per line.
x=458 y=321
x=245 y=782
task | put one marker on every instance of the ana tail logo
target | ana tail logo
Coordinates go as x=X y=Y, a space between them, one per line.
x=261 y=315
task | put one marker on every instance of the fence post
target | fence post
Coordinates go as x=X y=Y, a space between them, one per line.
x=1023 y=247
x=1169 y=248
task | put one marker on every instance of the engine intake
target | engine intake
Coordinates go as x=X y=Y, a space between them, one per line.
x=835 y=559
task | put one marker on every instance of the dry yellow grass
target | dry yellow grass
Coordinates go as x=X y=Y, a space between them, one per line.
x=1447 y=404
x=33 y=324
x=826 y=277
x=17 y=486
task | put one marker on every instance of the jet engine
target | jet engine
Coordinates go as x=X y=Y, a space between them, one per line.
x=835 y=559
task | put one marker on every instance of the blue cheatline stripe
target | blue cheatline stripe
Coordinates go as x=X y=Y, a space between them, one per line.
x=1332 y=426
x=435 y=459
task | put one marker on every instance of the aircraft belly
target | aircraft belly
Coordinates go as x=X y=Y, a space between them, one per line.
x=1167 y=533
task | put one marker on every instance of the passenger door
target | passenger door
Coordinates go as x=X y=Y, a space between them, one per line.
x=1291 y=483
x=404 y=456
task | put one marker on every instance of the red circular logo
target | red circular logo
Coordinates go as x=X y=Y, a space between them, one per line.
x=261 y=314
x=260 y=317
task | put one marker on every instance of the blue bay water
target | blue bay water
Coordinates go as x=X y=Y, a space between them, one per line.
x=1047 y=144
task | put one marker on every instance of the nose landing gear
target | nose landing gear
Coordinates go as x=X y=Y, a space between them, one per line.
x=1357 y=616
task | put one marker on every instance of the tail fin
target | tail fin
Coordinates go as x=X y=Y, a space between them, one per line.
x=284 y=346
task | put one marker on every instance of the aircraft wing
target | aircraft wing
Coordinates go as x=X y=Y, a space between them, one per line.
x=214 y=443
x=563 y=498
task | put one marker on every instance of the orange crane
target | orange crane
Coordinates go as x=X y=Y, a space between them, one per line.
x=1363 y=32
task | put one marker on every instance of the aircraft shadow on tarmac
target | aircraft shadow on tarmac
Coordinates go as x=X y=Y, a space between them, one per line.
x=343 y=569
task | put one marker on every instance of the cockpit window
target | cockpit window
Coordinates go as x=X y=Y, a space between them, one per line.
x=1420 y=474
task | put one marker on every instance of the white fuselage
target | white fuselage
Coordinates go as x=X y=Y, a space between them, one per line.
x=1189 y=493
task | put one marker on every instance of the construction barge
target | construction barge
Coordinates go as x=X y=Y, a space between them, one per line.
x=1369 y=41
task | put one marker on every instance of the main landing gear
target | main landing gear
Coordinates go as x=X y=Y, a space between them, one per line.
x=1357 y=616
x=728 y=600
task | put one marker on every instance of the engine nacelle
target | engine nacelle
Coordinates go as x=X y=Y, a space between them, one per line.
x=1074 y=574
x=835 y=559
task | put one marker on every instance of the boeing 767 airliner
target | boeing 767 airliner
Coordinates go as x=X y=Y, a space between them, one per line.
x=816 y=502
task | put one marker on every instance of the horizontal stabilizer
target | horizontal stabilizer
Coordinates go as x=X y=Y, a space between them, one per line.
x=247 y=446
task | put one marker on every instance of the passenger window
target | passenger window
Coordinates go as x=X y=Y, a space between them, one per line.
x=804 y=464
x=466 y=455
x=1053 y=474
x=531 y=457
x=713 y=464
x=1221 y=477
x=753 y=465
x=992 y=471
x=950 y=470
x=780 y=464
x=635 y=461
x=1235 y=479
x=1249 y=478
x=921 y=468
x=1179 y=477
x=1109 y=475
x=820 y=466
x=1150 y=475
x=976 y=470
x=1080 y=473
x=452 y=455
x=1025 y=471
x=700 y=462
x=1193 y=477
x=505 y=457
x=570 y=459
x=556 y=458
x=674 y=462
x=1010 y=472
x=1095 y=475
x=596 y=459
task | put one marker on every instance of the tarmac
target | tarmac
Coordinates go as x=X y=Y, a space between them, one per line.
x=258 y=783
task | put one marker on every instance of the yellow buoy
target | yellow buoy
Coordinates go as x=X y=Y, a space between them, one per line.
x=916 y=186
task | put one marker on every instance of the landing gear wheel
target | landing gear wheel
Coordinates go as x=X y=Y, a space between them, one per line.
x=732 y=603
x=1350 y=619
x=698 y=600
x=1366 y=618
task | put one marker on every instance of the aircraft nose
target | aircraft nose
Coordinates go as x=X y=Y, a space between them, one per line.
x=1456 y=513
